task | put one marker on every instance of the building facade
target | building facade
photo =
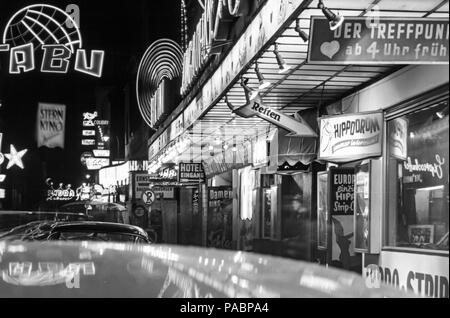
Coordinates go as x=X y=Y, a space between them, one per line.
x=316 y=143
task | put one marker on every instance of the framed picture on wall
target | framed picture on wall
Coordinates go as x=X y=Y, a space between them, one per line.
x=421 y=234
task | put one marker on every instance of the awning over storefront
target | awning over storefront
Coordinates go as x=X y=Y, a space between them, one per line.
x=291 y=150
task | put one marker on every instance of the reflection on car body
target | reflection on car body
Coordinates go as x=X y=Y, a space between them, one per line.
x=103 y=269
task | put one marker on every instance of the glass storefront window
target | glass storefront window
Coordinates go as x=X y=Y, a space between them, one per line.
x=417 y=179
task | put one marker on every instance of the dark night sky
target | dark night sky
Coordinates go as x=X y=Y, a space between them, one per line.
x=118 y=27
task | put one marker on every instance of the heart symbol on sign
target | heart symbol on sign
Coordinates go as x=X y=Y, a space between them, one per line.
x=329 y=49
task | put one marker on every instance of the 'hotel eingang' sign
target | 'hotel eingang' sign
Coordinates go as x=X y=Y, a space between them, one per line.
x=52 y=33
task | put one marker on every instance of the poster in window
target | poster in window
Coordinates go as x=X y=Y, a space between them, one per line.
x=322 y=210
x=341 y=191
x=341 y=196
x=398 y=138
x=421 y=234
x=362 y=208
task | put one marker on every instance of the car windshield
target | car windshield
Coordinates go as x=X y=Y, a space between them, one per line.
x=96 y=236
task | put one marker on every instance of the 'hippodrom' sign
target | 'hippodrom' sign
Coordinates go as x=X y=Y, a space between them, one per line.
x=351 y=136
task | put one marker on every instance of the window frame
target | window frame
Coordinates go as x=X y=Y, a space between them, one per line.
x=432 y=97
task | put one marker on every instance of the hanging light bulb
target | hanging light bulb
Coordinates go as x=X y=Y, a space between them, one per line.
x=284 y=67
x=225 y=146
x=334 y=20
x=211 y=148
x=263 y=84
x=300 y=32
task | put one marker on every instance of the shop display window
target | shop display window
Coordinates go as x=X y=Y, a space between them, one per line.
x=417 y=179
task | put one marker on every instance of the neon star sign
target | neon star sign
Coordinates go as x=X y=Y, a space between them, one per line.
x=54 y=32
x=15 y=157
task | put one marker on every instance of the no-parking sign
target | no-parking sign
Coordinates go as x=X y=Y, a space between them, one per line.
x=148 y=197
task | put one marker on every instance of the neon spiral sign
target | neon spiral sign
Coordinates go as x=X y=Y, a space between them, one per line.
x=56 y=34
x=162 y=60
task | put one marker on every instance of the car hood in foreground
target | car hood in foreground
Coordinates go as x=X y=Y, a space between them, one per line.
x=88 y=269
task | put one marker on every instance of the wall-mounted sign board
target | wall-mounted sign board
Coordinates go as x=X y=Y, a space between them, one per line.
x=351 y=137
x=379 y=40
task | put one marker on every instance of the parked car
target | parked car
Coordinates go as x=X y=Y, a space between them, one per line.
x=98 y=210
x=12 y=219
x=37 y=226
x=98 y=231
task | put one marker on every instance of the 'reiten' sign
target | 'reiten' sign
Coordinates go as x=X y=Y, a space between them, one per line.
x=351 y=137
x=255 y=107
x=363 y=40
x=191 y=172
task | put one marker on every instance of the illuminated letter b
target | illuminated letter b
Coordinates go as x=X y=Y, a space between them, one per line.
x=56 y=58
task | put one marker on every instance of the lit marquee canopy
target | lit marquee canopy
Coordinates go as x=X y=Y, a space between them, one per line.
x=162 y=60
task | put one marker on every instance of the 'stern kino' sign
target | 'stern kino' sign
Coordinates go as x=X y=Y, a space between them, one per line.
x=362 y=40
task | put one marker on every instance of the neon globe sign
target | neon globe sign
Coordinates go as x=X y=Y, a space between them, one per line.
x=54 y=32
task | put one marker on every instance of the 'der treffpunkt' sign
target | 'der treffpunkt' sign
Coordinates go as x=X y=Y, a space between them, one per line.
x=351 y=137
x=380 y=40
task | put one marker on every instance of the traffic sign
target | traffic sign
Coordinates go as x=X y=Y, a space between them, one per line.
x=139 y=211
x=148 y=197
